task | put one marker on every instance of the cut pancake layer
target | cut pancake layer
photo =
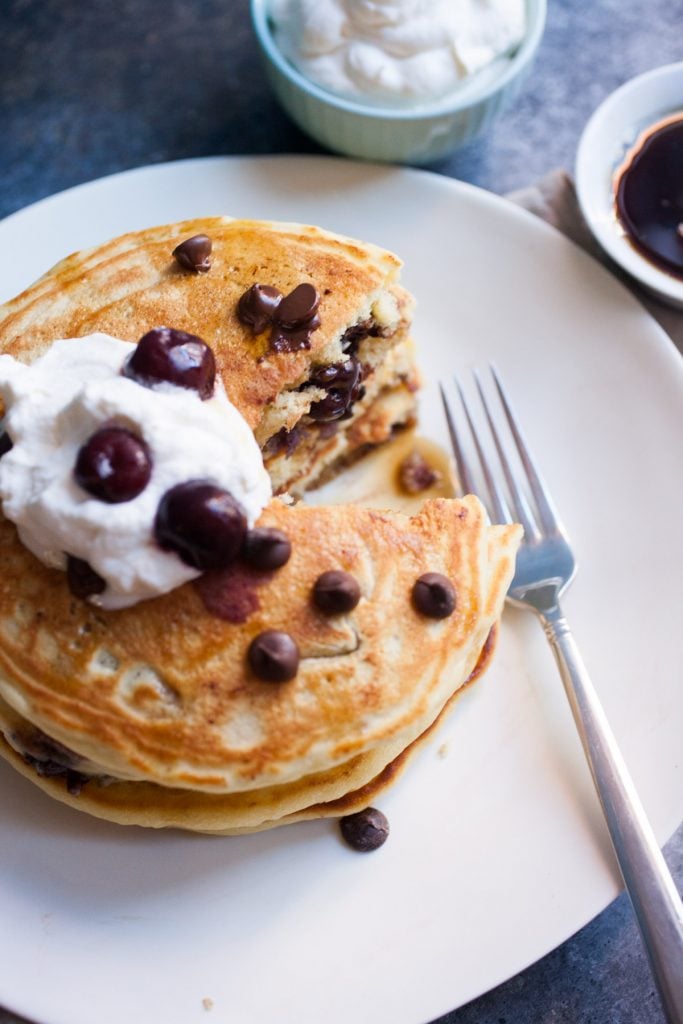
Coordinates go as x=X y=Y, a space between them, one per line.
x=132 y=284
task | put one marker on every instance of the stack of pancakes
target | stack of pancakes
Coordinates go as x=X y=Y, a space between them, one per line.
x=151 y=715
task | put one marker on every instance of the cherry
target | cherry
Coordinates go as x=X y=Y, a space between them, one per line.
x=202 y=523
x=5 y=444
x=114 y=465
x=164 y=354
x=82 y=579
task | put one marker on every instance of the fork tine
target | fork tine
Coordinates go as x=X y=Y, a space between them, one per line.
x=546 y=510
x=500 y=505
x=465 y=476
x=520 y=504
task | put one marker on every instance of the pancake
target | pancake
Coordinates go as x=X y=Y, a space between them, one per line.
x=154 y=711
x=153 y=714
x=132 y=284
x=35 y=757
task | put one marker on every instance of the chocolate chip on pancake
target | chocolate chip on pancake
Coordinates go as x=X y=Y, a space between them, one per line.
x=286 y=441
x=291 y=341
x=82 y=579
x=51 y=759
x=434 y=595
x=342 y=381
x=266 y=548
x=194 y=253
x=298 y=308
x=257 y=305
x=295 y=319
x=273 y=656
x=366 y=830
x=336 y=592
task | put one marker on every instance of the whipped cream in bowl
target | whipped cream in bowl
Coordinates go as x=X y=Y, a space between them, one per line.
x=404 y=81
x=81 y=389
x=396 y=51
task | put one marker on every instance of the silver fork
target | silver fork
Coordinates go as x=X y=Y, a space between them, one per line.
x=545 y=567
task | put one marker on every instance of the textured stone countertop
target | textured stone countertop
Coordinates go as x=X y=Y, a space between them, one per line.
x=87 y=89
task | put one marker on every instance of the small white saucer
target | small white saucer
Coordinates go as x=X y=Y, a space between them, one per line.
x=609 y=134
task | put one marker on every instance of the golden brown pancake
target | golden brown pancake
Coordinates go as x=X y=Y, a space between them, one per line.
x=160 y=695
x=132 y=284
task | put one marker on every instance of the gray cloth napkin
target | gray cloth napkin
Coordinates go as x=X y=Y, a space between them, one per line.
x=553 y=199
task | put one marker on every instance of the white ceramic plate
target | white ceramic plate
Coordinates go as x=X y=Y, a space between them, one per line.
x=497 y=851
x=610 y=133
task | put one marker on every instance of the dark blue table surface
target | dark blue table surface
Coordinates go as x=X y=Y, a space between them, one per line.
x=87 y=89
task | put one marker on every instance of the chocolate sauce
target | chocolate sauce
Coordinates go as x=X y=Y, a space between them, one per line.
x=649 y=195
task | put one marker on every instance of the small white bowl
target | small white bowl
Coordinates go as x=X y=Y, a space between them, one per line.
x=405 y=135
x=610 y=133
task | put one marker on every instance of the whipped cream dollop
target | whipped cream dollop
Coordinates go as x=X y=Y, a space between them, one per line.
x=395 y=50
x=54 y=405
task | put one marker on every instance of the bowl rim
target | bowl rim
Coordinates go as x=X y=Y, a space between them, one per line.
x=450 y=104
x=612 y=118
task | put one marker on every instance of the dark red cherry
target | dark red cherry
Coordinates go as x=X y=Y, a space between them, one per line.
x=5 y=444
x=202 y=523
x=82 y=579
x=114 y=465
x=164 y=354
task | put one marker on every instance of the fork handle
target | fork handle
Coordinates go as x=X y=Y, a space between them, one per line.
x=650 y=886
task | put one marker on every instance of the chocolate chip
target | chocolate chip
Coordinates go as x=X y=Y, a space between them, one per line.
x=282 y=340
x=82 y=579
x=266 y=548
x=194 y=253
x=415 y=474
x=298 y=308
x=352 y=336
x=51 y=760
x=343 y=375
x=257 y=306
x=273 y=656
x=44 y=749
x=5 y=444
x=293 y=318
x=434 y=596
x=366 y=830
x=286 y=441
x=342 y=381
x=336 y=592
